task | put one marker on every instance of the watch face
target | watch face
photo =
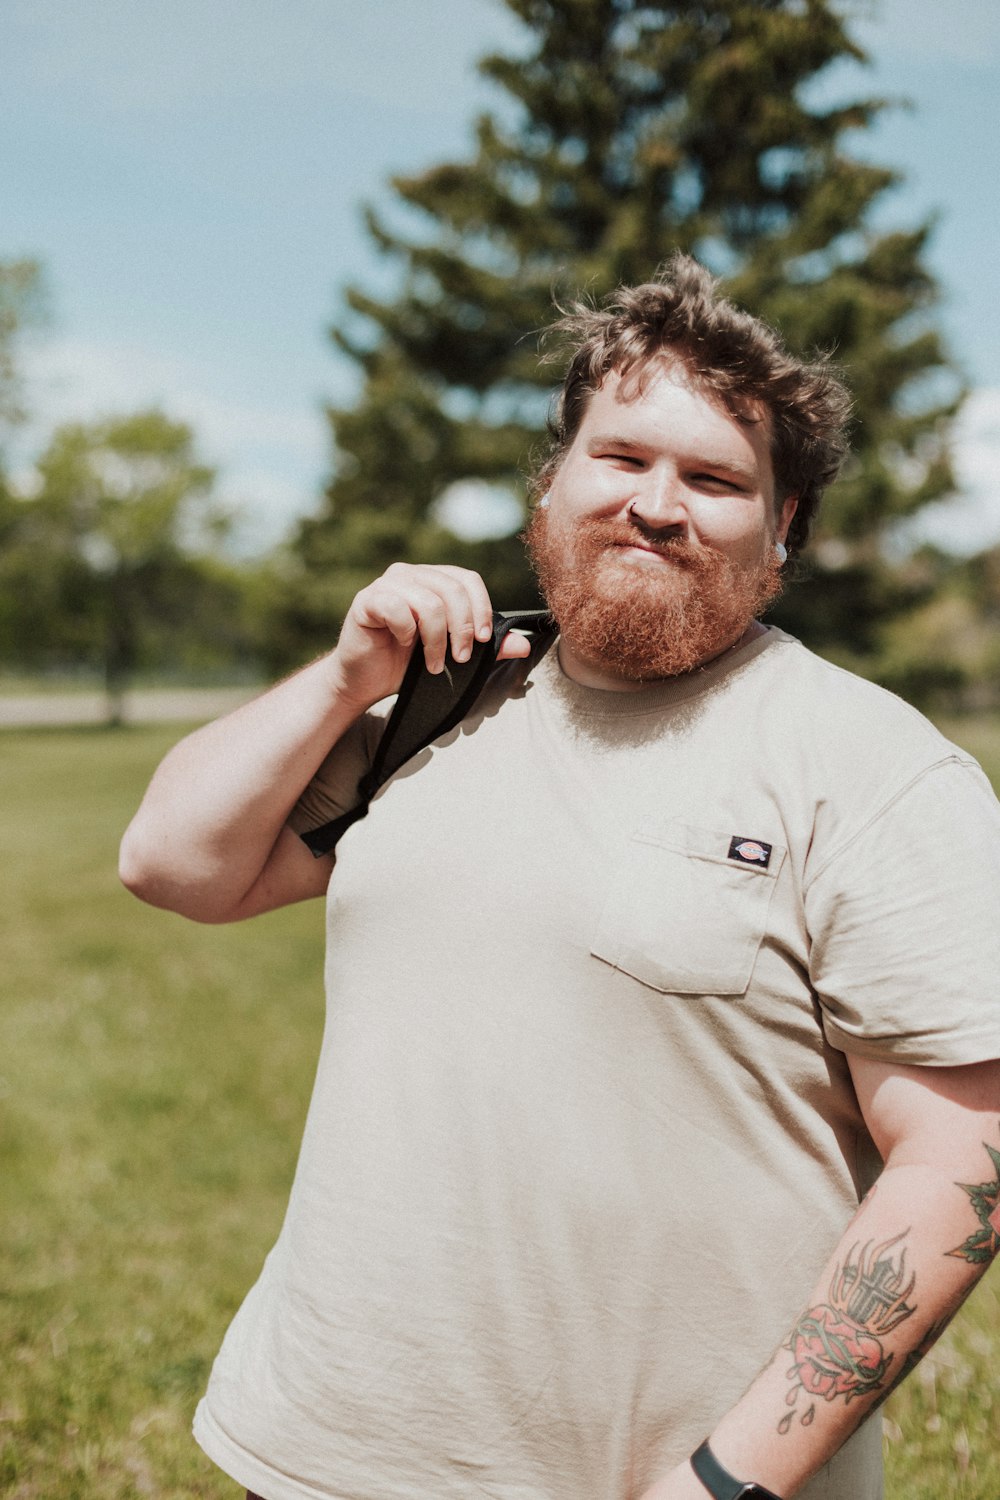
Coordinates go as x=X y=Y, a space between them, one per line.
x=755 y=1492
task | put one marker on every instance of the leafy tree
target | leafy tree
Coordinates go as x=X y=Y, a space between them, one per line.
x=106 y=563
x=627 y=130
x=22 y=302
x=945 y=654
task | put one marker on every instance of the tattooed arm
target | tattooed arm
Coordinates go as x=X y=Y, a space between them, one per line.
x=915 y=1249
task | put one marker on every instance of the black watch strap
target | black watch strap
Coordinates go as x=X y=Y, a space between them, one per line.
x=720 y=1484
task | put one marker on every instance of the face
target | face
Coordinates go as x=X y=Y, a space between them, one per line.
x=657 y=547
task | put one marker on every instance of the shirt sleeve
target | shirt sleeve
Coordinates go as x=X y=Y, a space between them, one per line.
x=334 y=788
x=904 y=922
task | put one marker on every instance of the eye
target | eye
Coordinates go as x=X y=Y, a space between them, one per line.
x=627 y=460
x=719 y=484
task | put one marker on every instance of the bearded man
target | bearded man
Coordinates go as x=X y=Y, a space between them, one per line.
x=662 y=1006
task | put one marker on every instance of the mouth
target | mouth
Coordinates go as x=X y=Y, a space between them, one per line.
x=643 y=554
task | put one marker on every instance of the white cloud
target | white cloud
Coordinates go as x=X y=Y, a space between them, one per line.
x=271 y=459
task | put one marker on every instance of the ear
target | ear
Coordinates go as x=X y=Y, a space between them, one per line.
x=784 y=518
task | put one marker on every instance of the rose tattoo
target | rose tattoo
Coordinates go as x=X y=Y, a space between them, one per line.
x=836 y=1347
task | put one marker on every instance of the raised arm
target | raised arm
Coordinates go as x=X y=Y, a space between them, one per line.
x=210 y=839
x=910 y=1256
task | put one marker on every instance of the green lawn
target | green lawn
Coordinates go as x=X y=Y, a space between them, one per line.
x=154 y=1080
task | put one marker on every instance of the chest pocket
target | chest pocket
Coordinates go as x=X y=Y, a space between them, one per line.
x=687 y=908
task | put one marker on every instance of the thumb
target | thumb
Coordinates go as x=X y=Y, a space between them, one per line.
x=513 y=645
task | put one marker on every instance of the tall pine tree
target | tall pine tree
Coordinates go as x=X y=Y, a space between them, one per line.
x=631 y=129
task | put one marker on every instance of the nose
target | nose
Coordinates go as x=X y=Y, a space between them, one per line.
x=658 y=504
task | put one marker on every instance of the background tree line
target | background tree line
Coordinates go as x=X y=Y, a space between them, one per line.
x=112 y=555
x=623 y=130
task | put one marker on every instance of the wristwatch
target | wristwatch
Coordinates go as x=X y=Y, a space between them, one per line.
x=720 y=1484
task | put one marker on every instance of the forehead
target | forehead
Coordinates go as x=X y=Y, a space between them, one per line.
x=662 y=402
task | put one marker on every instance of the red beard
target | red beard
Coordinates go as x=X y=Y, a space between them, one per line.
x=643 y=623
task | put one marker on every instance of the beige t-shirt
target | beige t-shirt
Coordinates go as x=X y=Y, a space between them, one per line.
x=583 y=1133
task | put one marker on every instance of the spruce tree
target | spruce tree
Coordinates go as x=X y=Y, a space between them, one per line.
x=630 y=130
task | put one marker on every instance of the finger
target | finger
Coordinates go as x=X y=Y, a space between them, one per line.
x=431 y=612
x=443 y=616
x=478 y=598
x=381 y=608
x=513 y=646
x=407 y=611
x=468 y=612
x=448 y=604
x=434 y=638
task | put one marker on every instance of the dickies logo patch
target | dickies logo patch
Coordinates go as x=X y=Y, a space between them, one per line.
x=749 y=851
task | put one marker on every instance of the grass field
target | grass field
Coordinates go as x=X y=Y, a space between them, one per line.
x=154 y=1080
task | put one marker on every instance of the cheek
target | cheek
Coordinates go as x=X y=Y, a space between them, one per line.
x=734 y=526
x=583 y=488
x=560 y=531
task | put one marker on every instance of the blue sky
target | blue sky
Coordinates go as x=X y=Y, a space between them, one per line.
x=191 y=175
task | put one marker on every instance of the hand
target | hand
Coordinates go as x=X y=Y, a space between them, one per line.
x=437 y=604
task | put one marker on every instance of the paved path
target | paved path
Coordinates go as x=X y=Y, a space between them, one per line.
x=151 y=706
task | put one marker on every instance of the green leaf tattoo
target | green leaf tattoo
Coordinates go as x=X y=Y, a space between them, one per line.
x=980 y=1248
x=837 y=1346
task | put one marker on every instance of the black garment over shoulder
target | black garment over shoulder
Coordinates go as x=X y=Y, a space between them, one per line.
x=427 y=706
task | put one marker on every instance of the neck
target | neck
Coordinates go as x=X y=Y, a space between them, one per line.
x=594 y=674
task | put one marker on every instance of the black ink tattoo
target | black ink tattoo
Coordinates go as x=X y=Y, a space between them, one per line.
x=837 y=1347
x=980 y=1248
x=911 y=1360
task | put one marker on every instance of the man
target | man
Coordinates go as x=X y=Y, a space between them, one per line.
x=637 y=982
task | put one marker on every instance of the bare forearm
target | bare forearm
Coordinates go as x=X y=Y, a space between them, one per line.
x=912 y=1253
x=218 y=802
x=910 y=1256
x=907 y=1262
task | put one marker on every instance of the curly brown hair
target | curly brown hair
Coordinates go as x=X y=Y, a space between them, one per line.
x=730 y=354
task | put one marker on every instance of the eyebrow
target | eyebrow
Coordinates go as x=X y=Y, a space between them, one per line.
x=710 y=461
x=613 y=440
